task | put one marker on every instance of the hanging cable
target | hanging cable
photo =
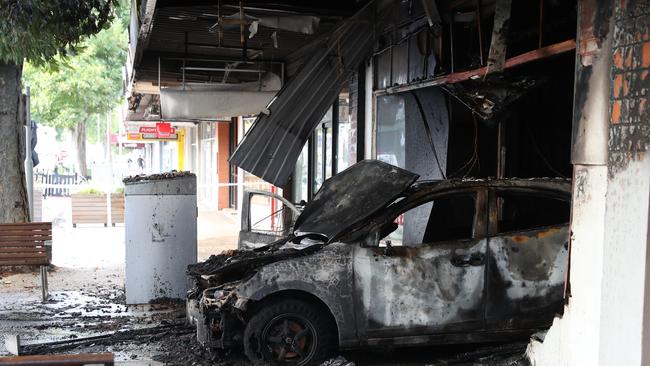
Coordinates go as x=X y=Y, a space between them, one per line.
x=541 y=155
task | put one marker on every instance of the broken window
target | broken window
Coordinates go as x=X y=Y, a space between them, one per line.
x=391 y=121
x=267 y=214
x=519 y=211
x=445 y=218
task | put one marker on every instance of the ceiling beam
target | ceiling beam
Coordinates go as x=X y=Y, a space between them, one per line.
x=144 y=33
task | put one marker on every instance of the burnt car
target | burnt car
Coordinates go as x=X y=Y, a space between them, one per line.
x=378 y=259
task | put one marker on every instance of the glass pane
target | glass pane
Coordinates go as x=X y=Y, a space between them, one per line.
x=323 y=137
x=442 y=219
x=318 y=157
x=519 y=211
x=391 y=130
x=328 y=152
x=347 y=144
x=300 y=178
x=248 y=123
x=266 y=214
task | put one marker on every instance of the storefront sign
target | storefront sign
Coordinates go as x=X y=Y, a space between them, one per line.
x=162 y=131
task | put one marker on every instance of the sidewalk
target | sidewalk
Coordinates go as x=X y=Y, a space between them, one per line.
x=217 y=231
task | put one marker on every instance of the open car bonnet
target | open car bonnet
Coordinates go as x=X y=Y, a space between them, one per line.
x=352 y=196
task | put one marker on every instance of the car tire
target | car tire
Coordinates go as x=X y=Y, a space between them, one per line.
x=289 y=332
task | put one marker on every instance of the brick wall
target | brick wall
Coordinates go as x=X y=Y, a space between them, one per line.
x=629 y=131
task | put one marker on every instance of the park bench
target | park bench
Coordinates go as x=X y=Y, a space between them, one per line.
x=105 y=359
x=27 y=243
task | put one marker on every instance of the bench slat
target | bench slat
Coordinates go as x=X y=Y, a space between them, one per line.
x=21 y=250
x=13 y=239
x=20 y=262
x=4 y=246
x=24 y=243
x=105 y=359
x=26 y=226
x=25 y=232
x=22 y=255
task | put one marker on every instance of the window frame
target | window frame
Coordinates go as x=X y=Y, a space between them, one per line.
x=479 y=225
x=493 y=222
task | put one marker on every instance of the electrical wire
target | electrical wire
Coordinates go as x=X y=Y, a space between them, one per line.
x=541 y=155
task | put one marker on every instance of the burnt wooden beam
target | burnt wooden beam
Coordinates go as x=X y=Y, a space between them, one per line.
x=538 y=54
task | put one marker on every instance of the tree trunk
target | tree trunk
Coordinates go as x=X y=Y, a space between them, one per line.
x=13 y=192
x=79 y=134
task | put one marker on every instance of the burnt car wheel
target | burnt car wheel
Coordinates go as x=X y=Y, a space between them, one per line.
x=289 y=332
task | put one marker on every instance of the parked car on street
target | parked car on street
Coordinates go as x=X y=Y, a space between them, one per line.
x=378 y=258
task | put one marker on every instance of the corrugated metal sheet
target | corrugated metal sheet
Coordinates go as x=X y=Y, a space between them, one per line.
x=272 y=146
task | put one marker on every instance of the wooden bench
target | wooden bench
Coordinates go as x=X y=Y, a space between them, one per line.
x=27 y=243
x=60 y=360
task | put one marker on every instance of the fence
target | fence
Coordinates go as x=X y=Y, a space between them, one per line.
x=55 y=184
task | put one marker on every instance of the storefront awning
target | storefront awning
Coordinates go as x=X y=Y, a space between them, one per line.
x=272 y=146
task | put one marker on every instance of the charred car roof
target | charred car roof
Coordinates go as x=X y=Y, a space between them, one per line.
x=353 y=196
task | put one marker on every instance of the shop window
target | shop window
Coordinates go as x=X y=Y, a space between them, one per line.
x=301 y=175
x=323 y=153
x=347 y=144
x=391 y=138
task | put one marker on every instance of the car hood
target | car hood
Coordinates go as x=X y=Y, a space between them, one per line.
x=351 y=197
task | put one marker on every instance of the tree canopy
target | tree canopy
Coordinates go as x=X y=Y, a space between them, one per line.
x=83 y=85
x=39 y=30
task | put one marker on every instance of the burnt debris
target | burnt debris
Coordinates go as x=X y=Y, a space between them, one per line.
x=160 y=176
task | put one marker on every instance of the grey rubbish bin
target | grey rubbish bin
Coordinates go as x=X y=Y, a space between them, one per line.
x=160 y=225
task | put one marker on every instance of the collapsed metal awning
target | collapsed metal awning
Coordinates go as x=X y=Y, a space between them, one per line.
x=272 y=146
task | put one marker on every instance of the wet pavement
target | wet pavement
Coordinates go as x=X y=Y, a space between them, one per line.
x=86 y=310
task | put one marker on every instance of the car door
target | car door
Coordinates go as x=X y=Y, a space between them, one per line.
x=527 y=257
x=428 y=276
x=265 y=218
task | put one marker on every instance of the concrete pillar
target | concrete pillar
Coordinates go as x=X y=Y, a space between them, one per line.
x=605 y=321
x=628 y=189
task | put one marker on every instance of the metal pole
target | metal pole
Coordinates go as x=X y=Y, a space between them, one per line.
x=120 y=131
x=29 y=165
x=109 y=168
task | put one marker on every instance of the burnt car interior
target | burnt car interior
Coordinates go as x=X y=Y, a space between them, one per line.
x=520 y=211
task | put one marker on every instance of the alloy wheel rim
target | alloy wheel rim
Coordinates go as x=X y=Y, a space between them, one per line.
x=289 y=339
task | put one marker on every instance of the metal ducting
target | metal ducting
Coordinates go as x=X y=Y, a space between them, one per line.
x=209 y=102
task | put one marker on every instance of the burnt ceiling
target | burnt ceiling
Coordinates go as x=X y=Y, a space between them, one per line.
x=187 y=42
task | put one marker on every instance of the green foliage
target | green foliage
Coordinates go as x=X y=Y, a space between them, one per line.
x=99 y=192
x=91 y=191
x=82 y=86
x=39 y=30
